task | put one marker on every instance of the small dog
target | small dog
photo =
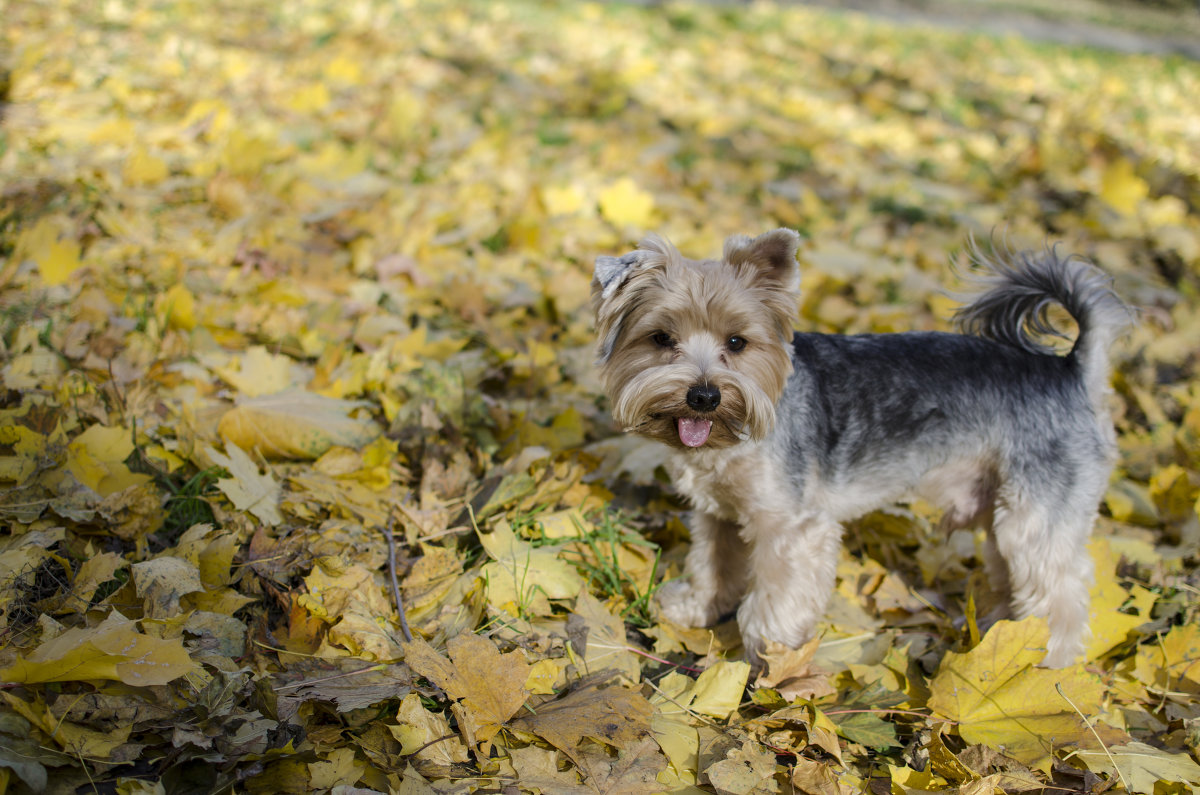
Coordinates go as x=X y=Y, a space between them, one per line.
x=779 y=436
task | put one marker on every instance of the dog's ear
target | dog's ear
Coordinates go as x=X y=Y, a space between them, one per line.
x=611 y=272
x=773 y=253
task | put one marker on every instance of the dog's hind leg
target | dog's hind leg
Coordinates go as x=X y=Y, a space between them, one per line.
x=714 y=574
x=1044 y=547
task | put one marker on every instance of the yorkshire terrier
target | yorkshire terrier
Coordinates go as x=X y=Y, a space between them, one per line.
x=778 y=437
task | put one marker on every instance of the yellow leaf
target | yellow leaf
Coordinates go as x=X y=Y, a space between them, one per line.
x=56 y=257
x=1110 y=626
x=521 y=577
x=310 y=98
x=1172 y=491
x=296 y=424
x=113 y=650
x=177 y=308
x=339 y=769
x=344 y=69
x=94 y=572
x=542 y=676
x=143 y=168
x=28 y=447
x=1142 y=766
x=426 y=734
x=248 y=490
x=1128 y=501
x=1121 y=188
x=261 y=372
x=162 y=582
x=599 y=637
x=97 y=460
x=719 y=689
x=626 y=205
x=997 y=697
x=564 y=200
x=671 y=724
x=1173 y=663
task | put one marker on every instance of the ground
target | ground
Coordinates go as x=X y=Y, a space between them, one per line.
x=295 y=342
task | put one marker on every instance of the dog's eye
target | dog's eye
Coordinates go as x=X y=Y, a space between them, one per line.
x=735 y=343
x=663 y=340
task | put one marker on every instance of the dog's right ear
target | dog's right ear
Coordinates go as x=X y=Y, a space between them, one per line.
x=611 y=272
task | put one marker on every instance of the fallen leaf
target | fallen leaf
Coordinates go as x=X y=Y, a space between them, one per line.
x=996 y=695
x=114 y=649
x=719 y=689
x=248 y=489
x=295 y=424
x=792 y=674
x=599 y=638
x=488 y=686
x=1142 y=766
x=607 y=713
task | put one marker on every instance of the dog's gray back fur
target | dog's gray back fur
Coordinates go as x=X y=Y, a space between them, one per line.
x=900 y=404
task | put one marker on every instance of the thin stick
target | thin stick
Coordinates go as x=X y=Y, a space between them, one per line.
x=307 y=682
x=391 y=540
x=649 y=656
x=1088 y=723
x=882 y=711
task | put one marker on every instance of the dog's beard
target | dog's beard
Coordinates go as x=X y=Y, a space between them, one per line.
x=653 y=404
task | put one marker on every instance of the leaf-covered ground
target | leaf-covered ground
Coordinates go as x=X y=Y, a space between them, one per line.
x=276 y=277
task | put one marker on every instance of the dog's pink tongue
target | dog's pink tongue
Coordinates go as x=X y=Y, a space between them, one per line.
x=694 y=432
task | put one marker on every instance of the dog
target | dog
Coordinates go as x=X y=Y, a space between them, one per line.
x=778 y=437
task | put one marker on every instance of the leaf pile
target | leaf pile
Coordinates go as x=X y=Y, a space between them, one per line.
x=276 y=278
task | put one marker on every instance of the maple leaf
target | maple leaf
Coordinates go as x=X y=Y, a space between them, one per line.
x=114 y=649
x=997 y=696
x=593 y=709
x=248 y=489
x=489 y=687
x=295 y=424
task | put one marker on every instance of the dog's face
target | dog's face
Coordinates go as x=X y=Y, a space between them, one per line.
x=695 y=353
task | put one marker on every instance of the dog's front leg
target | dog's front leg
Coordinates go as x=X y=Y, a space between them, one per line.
x=793 y=565
x=714 y=574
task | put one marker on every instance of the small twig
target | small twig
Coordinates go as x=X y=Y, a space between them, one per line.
x=330 y=678
x=1088 y=723
x=433 y=742
x=391 y=541
x=262 y=645
x=649 y=656
x=883 y=711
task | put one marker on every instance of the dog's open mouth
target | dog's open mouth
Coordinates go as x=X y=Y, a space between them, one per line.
x=694 y=432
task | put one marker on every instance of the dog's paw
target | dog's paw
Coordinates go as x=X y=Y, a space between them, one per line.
x=1062 y=651
x=683 y=604
x=761 y=621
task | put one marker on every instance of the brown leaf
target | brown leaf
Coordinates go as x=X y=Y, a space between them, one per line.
x=488 y=686
x=604 y=712
x=790 y=671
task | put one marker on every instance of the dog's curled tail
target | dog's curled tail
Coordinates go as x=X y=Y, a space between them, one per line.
x=1017 y=291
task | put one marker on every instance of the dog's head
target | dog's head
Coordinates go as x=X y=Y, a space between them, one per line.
x=695 y=353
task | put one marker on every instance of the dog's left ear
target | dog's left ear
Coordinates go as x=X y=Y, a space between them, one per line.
x=774 y=253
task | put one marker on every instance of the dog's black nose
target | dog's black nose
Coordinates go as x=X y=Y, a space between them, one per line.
x=704 y=397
